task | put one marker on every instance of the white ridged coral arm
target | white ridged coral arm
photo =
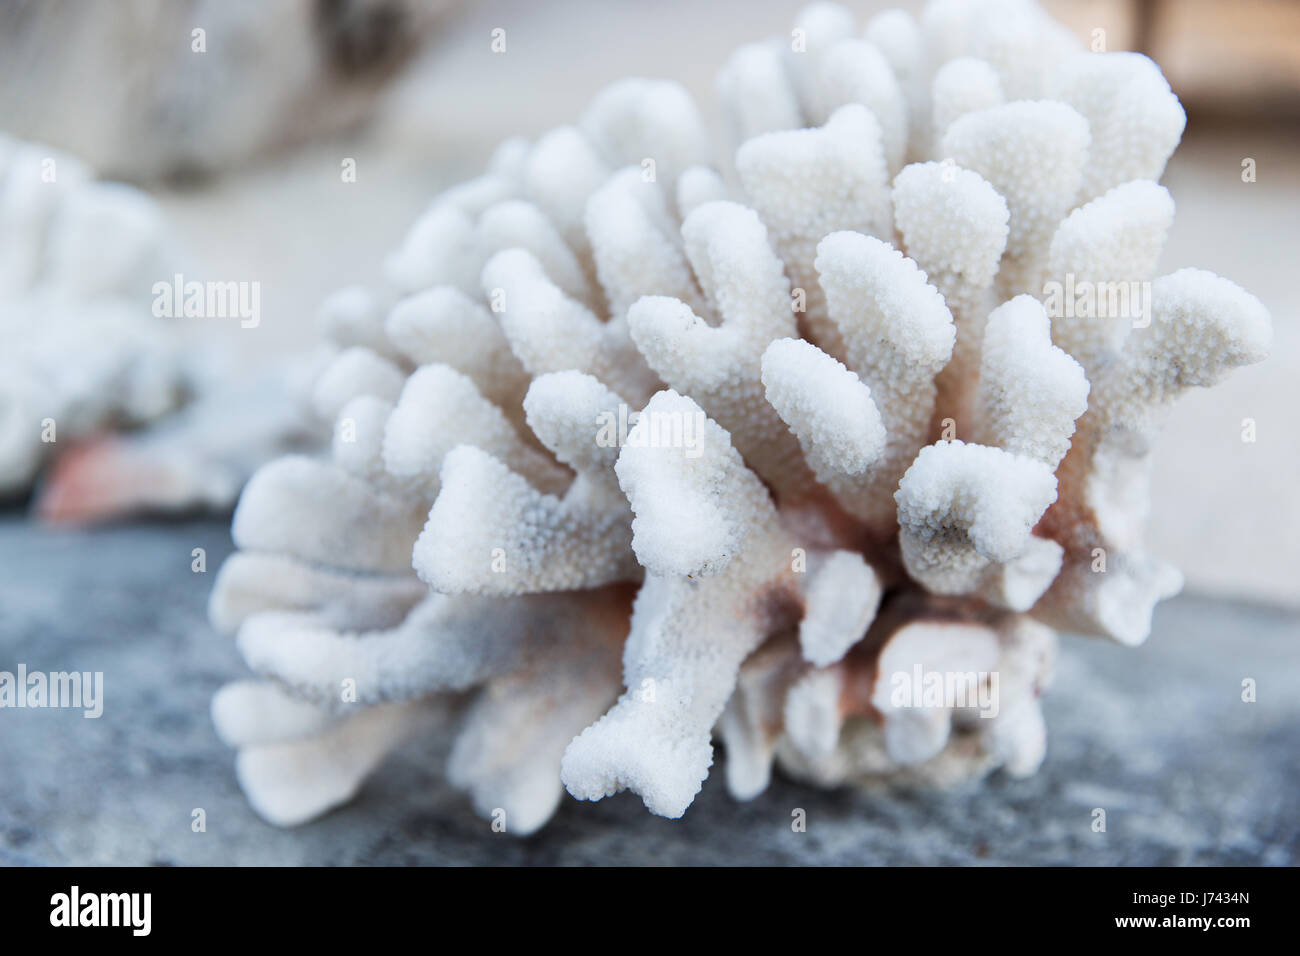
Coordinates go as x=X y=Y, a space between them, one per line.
x=551 y=332
x=291 y=782
x=354 y=315
x=691 y=495
x=449 y=243
x=250 y=582
x=444 y=325
x=28 y=203
x=720 y=366
x=812 y=711
x=1117 y=603
x=357 y=446
x=251 y=712
x=438 y=250
x=1135 y=118
x=78 y=260
x=953 y=223
x=636 y=246
x=756 y=93
x=316 y=511
x=807 y=183
x=830 y=411
x=635 y=120
x=728 y=248
x=1033 y=153
x=897 y=35
x=1018 y=584
x=352 y=372
x=841 y=595
x=518 y=224
x=963 y=507
x=1030 y=391
x=853 y=71
x=751 y=725
x=962 y=85
x=447 y=642
x=898 y=334
x=815 y=31
x=681 y=660
x=994 y=673
x=440 y=408
x=578 y=419
x=491 y=532
x=954 y=226
x=547 y=329
x=1202 y=326
x=898 y=330
x=562 y=171
x=1107 y=249
x=1017 y=736
x=508 y=752
x=1019 y=40
x=696 y=186
x=915 y=728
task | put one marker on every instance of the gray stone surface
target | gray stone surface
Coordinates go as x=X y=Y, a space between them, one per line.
x=1157 y=736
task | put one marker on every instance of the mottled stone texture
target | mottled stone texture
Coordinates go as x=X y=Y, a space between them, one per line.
x=1158 y=736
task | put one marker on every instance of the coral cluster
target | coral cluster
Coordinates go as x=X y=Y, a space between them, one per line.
x=129 y=409
x=634 y=450
x=82 y=350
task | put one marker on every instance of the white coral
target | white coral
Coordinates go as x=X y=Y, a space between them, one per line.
x=777 y=435
x=82 y=351
x=129 y=409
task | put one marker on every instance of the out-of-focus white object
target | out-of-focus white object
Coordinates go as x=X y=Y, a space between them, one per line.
x=81 y=349
x=84 y=355
x=145 y=90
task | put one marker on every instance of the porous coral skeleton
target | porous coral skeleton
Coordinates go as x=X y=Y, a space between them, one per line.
x=904 y=463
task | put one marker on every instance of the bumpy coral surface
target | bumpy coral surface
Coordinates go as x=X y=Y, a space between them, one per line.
x=634 y=451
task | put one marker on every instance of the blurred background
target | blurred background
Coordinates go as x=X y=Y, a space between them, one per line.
x=241 y=146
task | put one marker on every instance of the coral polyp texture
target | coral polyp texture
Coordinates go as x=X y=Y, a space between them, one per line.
x=638 y=451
